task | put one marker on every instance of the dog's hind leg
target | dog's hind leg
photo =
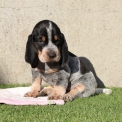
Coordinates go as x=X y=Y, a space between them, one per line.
x=87 y=93
x=74 y=92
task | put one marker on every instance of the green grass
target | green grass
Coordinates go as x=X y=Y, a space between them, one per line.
x=98 y=108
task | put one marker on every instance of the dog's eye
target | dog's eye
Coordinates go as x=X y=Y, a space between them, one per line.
x=42 y=39
x=56 y=38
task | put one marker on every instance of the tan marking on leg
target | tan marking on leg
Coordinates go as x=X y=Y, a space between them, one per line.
x=36 y=85
x=35 y=88
x=59 y=90
x=74 y=92
x=57 y=93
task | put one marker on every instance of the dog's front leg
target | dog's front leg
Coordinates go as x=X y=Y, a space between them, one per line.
x=36 y=85
x=59 y=88
x=60 y=82
x=54 y=93
x=57 y=92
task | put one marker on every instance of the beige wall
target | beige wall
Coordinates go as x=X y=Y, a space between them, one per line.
x=93 y=29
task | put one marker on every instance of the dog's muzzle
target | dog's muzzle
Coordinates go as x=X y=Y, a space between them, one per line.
x=51 y=54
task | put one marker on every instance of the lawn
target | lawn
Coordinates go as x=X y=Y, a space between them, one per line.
x=98 y=108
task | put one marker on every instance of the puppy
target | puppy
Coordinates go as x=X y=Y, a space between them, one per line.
x=47 y=53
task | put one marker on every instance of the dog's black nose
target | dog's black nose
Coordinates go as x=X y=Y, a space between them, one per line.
x=51 y=54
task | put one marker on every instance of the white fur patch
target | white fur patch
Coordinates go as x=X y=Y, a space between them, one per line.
x=49 y=32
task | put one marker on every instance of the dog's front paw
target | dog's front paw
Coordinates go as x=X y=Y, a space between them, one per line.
x=55 y=97
x=42 y=93
x=32 y=94
x=67 y=97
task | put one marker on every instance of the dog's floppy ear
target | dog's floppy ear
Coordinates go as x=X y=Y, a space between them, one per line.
x=64 y=52
x=31 y=55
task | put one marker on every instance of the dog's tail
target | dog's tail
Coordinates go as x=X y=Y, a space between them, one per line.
x=103 y=90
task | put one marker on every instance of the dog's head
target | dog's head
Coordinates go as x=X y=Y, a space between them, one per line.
x=46 y=44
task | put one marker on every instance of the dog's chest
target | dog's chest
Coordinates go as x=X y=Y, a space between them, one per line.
x=51 y=78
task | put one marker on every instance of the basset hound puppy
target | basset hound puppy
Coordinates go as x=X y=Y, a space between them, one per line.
x=47 y=53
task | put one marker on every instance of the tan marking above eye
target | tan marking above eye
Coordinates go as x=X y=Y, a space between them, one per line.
x=43 y=38
x=56 y=37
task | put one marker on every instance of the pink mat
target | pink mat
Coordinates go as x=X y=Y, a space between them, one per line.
x=14 y=96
